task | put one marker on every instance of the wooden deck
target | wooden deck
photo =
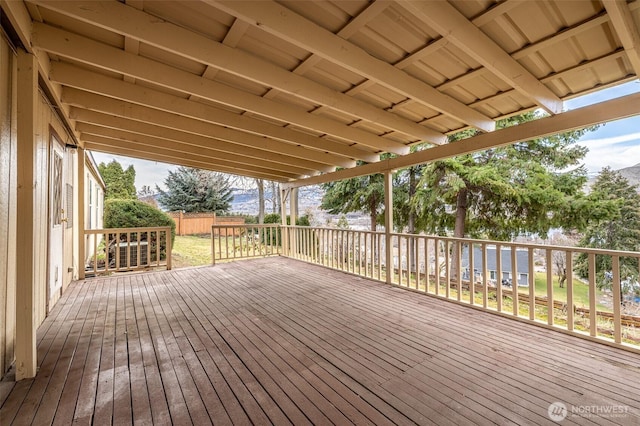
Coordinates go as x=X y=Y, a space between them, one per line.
x=277 y=341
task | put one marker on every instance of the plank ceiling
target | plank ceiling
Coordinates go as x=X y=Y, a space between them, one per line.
x=290 y=89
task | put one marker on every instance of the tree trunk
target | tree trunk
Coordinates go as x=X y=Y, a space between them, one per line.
x=458 y=232
x=260 y=183
x=275 y=198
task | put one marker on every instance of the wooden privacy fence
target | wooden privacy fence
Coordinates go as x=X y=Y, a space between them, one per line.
x=201 y=223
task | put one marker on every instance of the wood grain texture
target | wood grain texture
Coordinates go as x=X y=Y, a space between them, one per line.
x=277 y=341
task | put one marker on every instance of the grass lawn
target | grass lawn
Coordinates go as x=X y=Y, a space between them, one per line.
x=191 y=250
x=580 y=291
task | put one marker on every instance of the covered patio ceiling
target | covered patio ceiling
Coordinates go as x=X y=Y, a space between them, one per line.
x=291 y=90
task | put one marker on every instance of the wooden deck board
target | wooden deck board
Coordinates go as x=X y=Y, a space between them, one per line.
x=277 y=341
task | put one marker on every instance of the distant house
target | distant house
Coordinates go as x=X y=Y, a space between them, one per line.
x=522 y=265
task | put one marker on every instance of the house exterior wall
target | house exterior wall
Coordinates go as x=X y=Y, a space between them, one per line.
x=8 y=143
x=94 y=205
x=47 y=124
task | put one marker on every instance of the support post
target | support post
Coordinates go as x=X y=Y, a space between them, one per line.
x=27 y=89
x=293 y=215
x=82 y=239
x=284 y=235
x=388 y=224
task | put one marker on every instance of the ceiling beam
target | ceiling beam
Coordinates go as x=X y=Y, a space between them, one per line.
x=284 y=23
x=458 y=30
x=75 y=77
x=241 y=142
x=113 y=147
x=603 y=112
x=73 y=46
x=159 y=145
x=121 y=128
x=141 y=26
x=623 y=25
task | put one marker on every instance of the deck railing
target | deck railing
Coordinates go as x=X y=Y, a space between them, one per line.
x=514 y=279
x=520 y=280
x=229 y=242
x=127 y=249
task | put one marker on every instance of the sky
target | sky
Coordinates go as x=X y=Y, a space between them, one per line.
x=615 y=144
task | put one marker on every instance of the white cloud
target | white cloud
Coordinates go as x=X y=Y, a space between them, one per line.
x=147 y=172
x=614 y=151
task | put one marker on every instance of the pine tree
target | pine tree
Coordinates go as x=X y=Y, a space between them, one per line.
x=119 y=183
x=619 y=229
x=362 y=194
x=530 y=186
x=194 y=190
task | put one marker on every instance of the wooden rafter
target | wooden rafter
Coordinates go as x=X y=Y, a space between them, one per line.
x=276 y=19
x=82 y=49
x=623 y=25
x=615 y=109
x=458 y=30
x=144 y=27
x=323 y=150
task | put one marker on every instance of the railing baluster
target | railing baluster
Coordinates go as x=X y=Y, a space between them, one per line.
x=514 y=281
x=485 y=277
x=427 y=280
x=436 y=252
x=472 y=274
x=593 y=326
x=569 y=268
x=617 y=299
x=447 y=272
x=379 y=254
x=458 y=248
x=499 y=277
x=532 y=286
x=399 y=257
x=549 y=263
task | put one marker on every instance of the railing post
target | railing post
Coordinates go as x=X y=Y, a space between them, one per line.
x=293 y=234
x=82 y=239
x=388 y=223
x=213 y=246
x=169 y=247
x=284 y=235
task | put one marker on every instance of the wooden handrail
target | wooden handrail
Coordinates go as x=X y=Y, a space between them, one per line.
x=127 y=249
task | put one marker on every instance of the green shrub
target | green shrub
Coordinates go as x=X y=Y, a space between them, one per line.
x=135 y=214
x=275 y=218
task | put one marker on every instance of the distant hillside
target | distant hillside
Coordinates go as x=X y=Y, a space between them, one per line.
x=632 y=174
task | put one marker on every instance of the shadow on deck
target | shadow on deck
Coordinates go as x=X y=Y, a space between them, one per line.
x=280 y=341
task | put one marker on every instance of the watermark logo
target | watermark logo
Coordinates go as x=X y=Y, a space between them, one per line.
x=557 y=411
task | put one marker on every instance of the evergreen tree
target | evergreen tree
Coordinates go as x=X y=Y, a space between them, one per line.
x=619 y=229
x=530 y=186
x=194 y=190
x=362 y=194
x=119 y=183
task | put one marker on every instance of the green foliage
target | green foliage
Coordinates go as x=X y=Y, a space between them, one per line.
x=530 y=186
x=119 y=183
x=362 y=194
x=618 y=228
x=194 y=190
x=343 y=223
x=275 y=218
x=135 y=214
